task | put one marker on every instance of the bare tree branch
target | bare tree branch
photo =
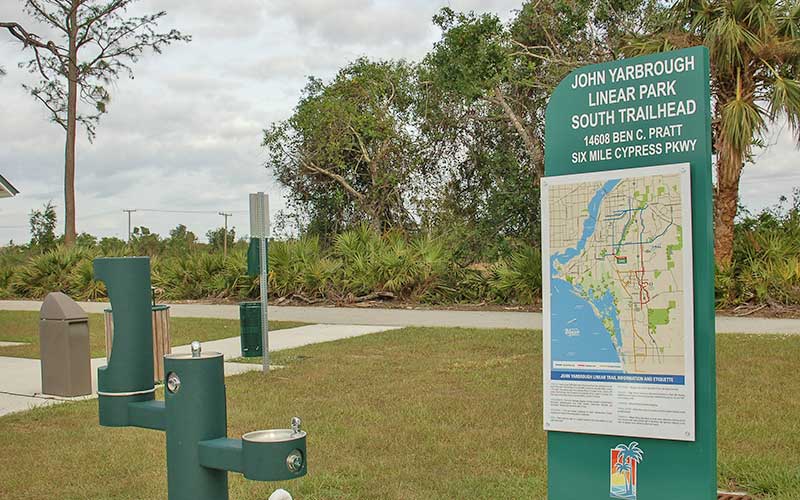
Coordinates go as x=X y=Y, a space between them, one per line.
x=56 y=114
x=40 y=11
x=534 y=149
x=364 y=151
x=336 y=177
x=98 y=15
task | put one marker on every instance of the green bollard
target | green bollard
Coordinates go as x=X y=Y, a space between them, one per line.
x=193 y=413
x=128 y=378
x=194 y=387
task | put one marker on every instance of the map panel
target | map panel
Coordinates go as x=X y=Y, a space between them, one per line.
x=618 y=298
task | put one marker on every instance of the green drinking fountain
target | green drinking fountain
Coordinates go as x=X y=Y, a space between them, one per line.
x=193 y=413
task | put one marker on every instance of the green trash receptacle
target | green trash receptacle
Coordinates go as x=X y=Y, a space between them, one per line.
x=250 y=328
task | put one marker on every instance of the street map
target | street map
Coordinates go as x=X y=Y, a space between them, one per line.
x=618 y=298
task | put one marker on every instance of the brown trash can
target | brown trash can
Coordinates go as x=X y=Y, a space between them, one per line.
x=64 y=347
x=161 y=338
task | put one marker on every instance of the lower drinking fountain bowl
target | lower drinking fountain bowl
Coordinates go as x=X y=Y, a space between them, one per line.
x=274 y=454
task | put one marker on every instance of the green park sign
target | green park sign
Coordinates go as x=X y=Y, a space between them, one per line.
x=629 y=342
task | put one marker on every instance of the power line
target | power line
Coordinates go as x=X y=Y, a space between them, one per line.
x=98 y=214
x=158 y=210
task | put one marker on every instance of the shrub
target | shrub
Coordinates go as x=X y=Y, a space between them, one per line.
x=300 y=267
x=48 y=272
x=518 y=279
x=82 y=285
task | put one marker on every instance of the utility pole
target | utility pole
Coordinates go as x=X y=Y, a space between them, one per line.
x=129 y=221
x=225 y=238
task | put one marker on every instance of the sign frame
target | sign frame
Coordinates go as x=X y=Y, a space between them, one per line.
x=578 y=464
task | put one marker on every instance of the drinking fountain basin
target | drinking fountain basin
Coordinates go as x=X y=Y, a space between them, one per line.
x=274 y=454
x=273 y=436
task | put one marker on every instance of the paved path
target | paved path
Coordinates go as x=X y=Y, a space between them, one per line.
x=413 y=317
x=21 y=385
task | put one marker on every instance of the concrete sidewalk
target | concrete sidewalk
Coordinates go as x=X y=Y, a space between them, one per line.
x=412 y=317
x=21 y=384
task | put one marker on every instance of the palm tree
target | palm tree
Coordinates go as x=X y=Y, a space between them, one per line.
x=624 y=467
x=755 y=51
x=629 y=453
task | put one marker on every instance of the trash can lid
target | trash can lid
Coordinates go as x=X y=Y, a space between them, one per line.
x=59 y=306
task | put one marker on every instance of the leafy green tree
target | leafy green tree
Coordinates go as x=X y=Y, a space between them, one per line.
x=486 y=89
x=181 y=240
x=43 y=227
x=97 y=44
x=350 y=151
x=144 y=242
x=215 y=238
x=755 y=50
x=86 y=240
x=473 y=64
x=510 y=70
x=111 y=246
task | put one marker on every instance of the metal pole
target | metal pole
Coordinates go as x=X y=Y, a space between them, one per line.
x=225 y=239
x=129 y=222
x=262 y=255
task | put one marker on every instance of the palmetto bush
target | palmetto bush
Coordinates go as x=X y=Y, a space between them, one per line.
x=437 y=274
x=769 y=269
x=179 y=278
x=201 y=276
x=359 y=251
x=418 y=268
x=300 y=267
x=82 y=285
x=6 y=275
x=728 y=291
x=48 y=272
x=7 y=268
x=360 y=262
x=518 y=279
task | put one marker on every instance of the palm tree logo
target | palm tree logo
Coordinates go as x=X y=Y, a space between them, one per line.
x=625 y=459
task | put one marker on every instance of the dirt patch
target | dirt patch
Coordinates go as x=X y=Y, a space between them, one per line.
x=762 y=311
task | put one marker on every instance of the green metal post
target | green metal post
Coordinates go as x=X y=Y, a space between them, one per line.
x=128 y=377
x=200 y=395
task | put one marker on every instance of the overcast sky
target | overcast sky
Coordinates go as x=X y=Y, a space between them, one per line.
x=185 y=134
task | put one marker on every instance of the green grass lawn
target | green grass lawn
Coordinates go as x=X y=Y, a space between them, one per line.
x=23 y=326
x=412 y=414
